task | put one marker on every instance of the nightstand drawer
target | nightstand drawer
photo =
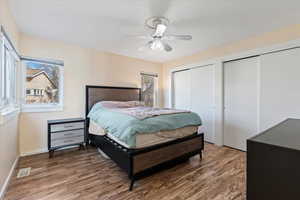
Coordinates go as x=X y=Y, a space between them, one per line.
x=66 y=126
x=66 y=134
x=67 y=141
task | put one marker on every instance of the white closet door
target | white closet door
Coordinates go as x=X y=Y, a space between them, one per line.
x=280 y=87
x=182 y=90
x=202 y=98
x=240 y=101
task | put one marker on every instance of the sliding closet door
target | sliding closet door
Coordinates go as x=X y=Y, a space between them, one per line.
x=241 y=101
x=182 y=90
x=280 y=87
x=202 y=98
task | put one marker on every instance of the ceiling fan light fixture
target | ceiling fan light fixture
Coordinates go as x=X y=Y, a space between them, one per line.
x=157 y=45
x=160 y=30
x=152 y=22
x=159 y=39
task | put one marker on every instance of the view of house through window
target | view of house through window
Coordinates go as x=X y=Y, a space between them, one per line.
x=42 y=83
x=149 y=89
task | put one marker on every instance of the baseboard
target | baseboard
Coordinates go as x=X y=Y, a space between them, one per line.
x=39 y=151
x=30 y=153
x=7 y=180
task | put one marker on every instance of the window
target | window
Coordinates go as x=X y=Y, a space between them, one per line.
x=43 y=89
x=35 y=92
x=149 y=88
x=8 y=74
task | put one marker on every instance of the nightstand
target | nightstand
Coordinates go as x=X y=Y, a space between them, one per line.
x=65 y=132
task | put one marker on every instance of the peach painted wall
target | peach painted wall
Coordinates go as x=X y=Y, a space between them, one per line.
x=9 y=130
x=82 y=66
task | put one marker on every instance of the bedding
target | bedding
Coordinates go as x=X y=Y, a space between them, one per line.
x=142 y=112
x=125 y=126
x=147 y=139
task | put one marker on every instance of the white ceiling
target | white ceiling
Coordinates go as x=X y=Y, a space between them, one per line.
x=105 y=25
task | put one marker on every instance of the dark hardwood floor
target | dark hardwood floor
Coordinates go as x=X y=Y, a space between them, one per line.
x=86 y=175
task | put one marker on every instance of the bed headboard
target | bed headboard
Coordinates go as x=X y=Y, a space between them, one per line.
x=94 y=94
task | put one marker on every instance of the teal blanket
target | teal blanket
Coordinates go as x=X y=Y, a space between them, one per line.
x=125 y=127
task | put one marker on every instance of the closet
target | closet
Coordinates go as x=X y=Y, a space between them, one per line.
x=260 y=92
x=256 y=93
x=182 y=90
x=280 y=87
x=194 y=90
x=241 y=79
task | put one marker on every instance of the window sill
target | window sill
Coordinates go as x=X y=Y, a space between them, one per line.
x=51 y=108
x=8 y=114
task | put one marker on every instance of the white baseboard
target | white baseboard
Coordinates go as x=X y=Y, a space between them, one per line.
x=7 y=180
x=39 y=151
x=30 y=153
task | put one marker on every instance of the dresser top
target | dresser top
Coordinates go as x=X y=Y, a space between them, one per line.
x=286 y=134
x=58 y=121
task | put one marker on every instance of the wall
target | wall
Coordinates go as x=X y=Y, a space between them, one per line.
x=276 y=37
x=86 y=66
x=82 y=66
x=9 y=130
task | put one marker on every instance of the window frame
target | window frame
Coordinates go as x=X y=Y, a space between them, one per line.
x=9 y=74
x=43 y=107
x=9 y=85
x=156 y=87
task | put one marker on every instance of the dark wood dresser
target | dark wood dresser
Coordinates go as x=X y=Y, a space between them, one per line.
x=273 y=163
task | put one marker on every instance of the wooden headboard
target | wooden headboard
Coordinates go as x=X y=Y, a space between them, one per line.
x=94 y=94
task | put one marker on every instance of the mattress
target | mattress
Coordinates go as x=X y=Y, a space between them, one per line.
x=147 y=139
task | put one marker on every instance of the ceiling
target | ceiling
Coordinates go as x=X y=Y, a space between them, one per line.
x=107 y=25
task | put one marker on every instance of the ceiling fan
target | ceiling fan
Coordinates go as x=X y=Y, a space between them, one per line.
x=158 y=39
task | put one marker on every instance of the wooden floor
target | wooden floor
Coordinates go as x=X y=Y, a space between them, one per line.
x=86 y=175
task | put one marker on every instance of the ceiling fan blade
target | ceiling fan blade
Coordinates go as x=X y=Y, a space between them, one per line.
x=143 y=37
x=178 y=37
x=167 y=47
x=146 y=46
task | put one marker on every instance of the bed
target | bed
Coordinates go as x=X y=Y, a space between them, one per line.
x=145 y=158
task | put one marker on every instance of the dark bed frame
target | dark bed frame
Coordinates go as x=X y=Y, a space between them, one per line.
x=138 y=163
